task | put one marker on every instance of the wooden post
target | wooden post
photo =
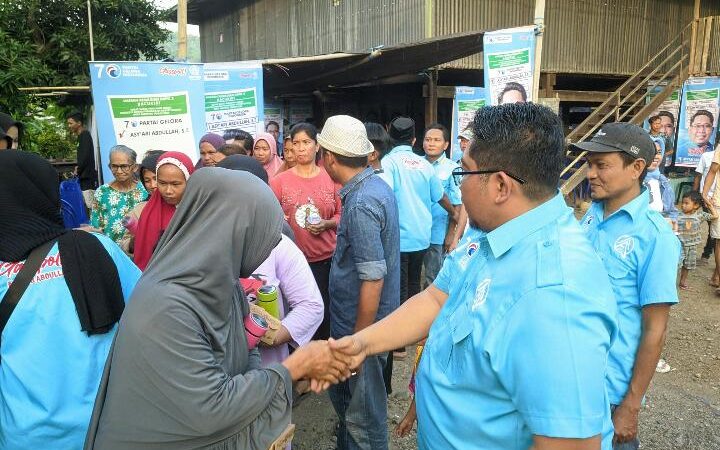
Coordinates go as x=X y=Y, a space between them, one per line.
x=182 y=29
x=540 y=31
x=693 y=38
x=90 y=32
x=431 y=100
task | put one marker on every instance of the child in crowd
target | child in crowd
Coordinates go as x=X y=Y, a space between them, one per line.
x=691 y=216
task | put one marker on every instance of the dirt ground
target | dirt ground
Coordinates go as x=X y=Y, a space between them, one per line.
x=682 y=409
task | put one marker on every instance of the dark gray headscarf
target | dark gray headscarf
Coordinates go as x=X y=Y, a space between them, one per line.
x=180 y=375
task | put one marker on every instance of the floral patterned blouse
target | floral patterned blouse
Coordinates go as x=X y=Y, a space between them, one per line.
x=111 y=206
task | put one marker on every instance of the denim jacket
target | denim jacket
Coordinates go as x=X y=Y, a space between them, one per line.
x=368 y=249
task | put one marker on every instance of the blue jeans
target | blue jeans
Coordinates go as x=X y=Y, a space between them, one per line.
x=433 y=262
x=361 y=405
x=632 y=445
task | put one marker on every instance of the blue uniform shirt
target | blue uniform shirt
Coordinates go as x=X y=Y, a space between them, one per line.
x=416 y=187
x=443 y=170
x=641 y=254
x=520 y=347
x=51 y=369
x=368 y=249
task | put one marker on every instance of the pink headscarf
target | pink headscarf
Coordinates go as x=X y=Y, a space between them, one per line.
x=272 y=166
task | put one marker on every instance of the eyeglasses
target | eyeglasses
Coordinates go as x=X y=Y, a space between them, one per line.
x=120 y=167
x=459 y=174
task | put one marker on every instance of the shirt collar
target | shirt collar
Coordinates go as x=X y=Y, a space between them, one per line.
x=439 y=160
x=355 y=181
x=504 y=237
x=634 y=208
x=401 y=148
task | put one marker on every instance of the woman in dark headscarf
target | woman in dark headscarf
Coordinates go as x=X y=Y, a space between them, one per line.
x=57 y=338
x=12 y=128
x=180 y=375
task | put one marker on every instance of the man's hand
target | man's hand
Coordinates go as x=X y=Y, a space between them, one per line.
x=319 y=363
x=625 y=421
x=450 y=243
x=350 y=349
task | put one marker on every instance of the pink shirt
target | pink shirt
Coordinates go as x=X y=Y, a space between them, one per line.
x=302 y=197
x=301 y=306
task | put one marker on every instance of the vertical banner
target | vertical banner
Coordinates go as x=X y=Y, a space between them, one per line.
x=234 y=97
x=508 y=64
x=147 y=105
x=467 y=101
x=698 y=119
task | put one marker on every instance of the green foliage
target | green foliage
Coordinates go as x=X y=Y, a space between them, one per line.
x=49 y=139
x=46 y=43
x=193 y=47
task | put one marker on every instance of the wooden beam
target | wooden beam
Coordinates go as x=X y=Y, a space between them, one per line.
x=431 y=100
x=182 y=29
x=706 y=43
x=582 y=96
x=442 y=91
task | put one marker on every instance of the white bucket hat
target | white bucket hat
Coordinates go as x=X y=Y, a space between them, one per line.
x=346 y=136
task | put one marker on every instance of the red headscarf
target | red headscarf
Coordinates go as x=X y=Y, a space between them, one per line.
x=157 y=213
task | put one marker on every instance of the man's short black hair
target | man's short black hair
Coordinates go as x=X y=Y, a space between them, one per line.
x=525 y=139
x=240 y=135
x=628 y=160
x=654 y=118
x=667 y=114
x=379 y=138
x=442 y=128
x=703 y=112
x=77 y=117
x=354 y=162
x=232 y=149
x=513 y=86
x=272 y=122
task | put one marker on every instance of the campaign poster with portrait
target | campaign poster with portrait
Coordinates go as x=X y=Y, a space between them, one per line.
x=509 y=62
x=697 y=124
x=467 y=101
x=234 y=97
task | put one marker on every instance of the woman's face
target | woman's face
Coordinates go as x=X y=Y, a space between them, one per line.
x=658 y=157
x=171 y=183
x=262 y=151
x=122 y=167
x=14 y=134
x=305 y=148
x=209 y=154
x=289 y=155
x=149 y=180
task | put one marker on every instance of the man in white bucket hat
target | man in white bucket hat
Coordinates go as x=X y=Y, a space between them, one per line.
x=364 y=277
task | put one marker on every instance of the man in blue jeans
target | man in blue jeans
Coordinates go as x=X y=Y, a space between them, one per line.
x=640 y=253
x=364 y=277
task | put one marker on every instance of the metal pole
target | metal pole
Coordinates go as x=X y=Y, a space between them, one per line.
x=182 y=29
x=90 y=32
x=540 y=31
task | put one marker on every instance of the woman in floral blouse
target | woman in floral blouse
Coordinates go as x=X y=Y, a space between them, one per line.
x=115 y=199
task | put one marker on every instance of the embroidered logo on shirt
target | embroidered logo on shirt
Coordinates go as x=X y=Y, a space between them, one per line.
x=412 y=164
x=481 y=293
x=472 y=248
x=624 y=245
x=588 y=221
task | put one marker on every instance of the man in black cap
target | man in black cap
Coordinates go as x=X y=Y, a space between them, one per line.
x=416 y=189
x=641 y=254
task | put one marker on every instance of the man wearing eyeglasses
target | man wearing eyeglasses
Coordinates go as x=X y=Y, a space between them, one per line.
x=640 y=253
x=701 y=131
x=522 y=314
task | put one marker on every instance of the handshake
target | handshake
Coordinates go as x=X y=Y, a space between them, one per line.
x=325 y=363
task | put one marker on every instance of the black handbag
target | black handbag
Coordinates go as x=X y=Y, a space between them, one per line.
x=22 y=281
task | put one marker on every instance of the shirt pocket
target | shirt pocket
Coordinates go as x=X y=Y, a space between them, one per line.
x=460 y=344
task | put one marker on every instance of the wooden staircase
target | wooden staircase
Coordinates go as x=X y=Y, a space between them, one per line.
x=685 y=55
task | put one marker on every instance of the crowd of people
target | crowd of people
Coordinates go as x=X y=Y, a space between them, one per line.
x=138 y=330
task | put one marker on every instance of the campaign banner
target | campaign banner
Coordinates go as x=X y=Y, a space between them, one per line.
x=467 y=101
x=509 y=62
x=668 y=110
x=300 y=111
x=147 y=106
x=234 y=97
x=698 y=119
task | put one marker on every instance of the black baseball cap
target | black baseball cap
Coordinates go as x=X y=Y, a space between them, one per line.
x=402 y=129
x=620 y=137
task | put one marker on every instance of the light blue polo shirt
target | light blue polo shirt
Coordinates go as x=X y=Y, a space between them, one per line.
x=641 y=254
x=51 y=369
x=520 y=347
x=416 y=188
x=444 y=167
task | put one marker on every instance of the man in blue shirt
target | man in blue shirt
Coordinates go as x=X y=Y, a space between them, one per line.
x=416 y=188
x=519 y=333
x=640 y=253
x=437 y=139
x=364 y=277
